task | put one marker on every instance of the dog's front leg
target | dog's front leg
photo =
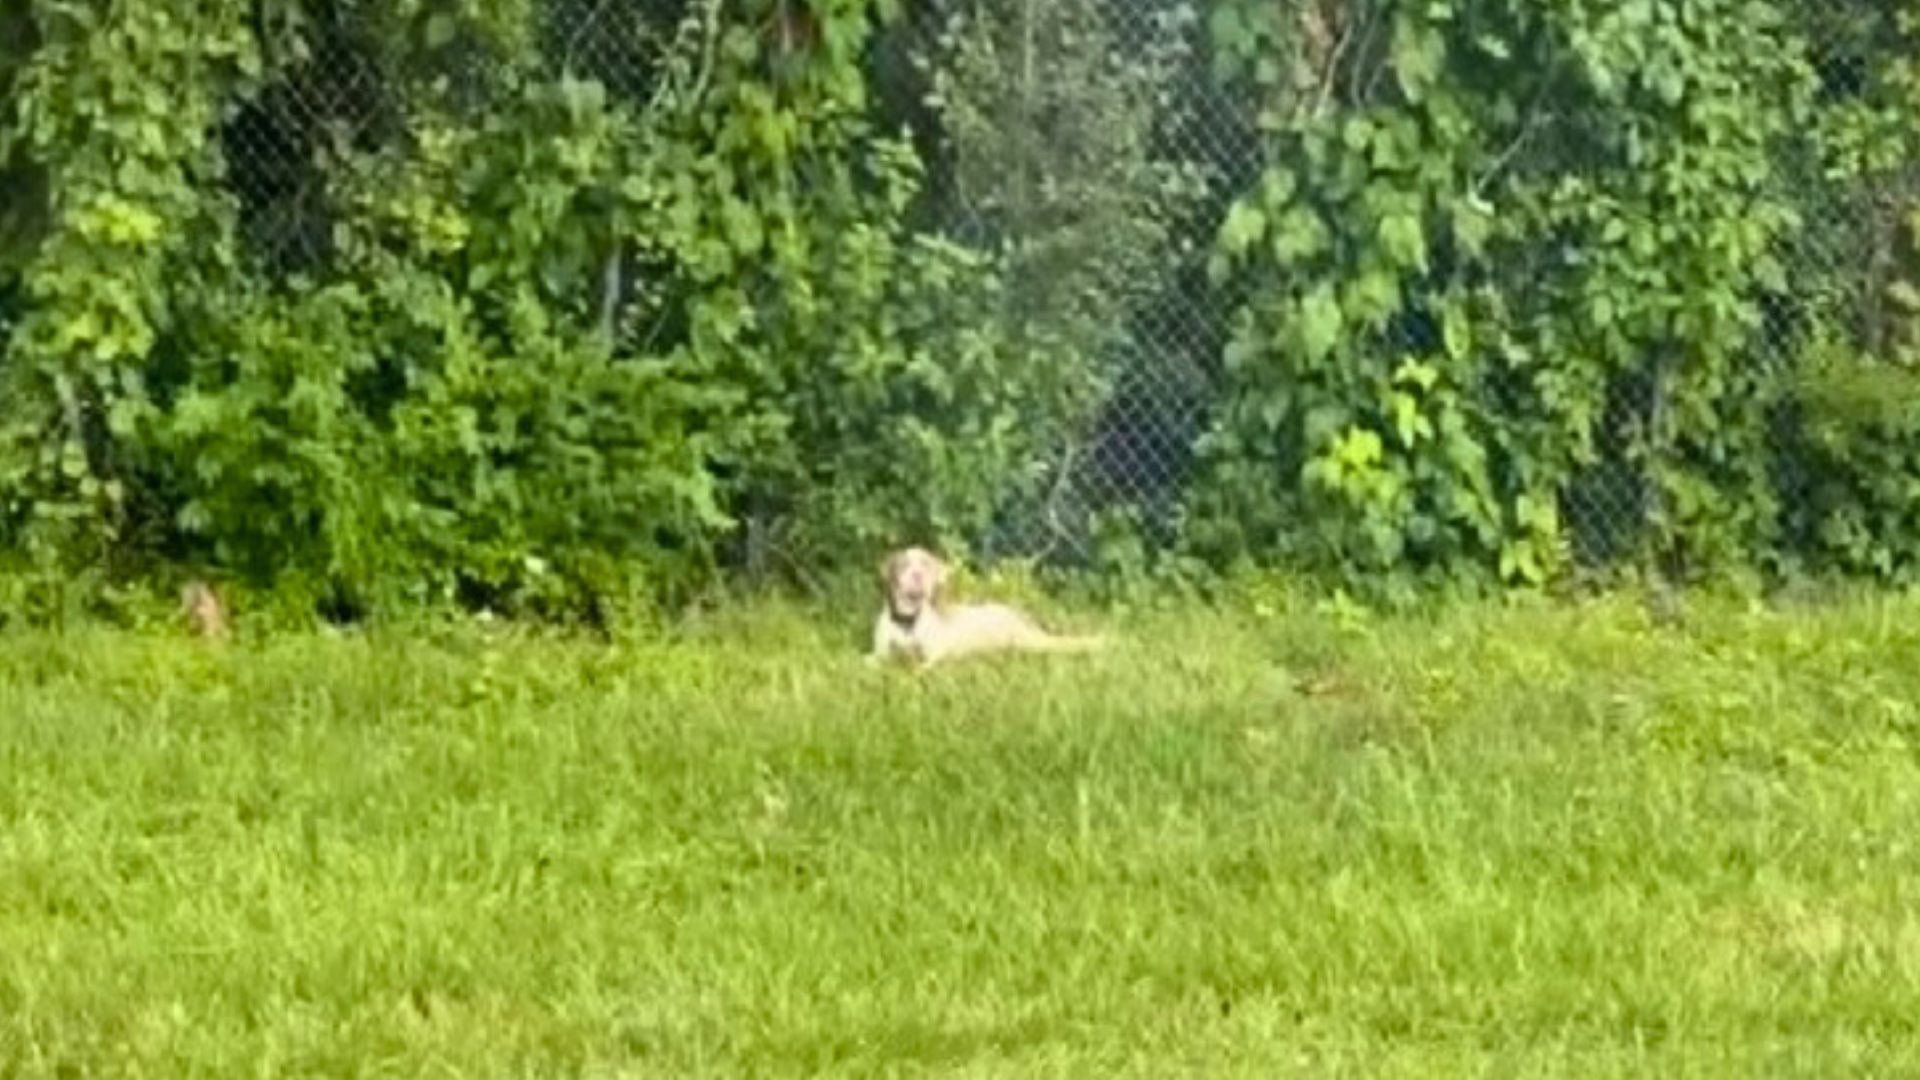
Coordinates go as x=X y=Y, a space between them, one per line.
x=880 y=642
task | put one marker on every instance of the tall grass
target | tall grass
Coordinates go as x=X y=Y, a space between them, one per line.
x=1533 y=841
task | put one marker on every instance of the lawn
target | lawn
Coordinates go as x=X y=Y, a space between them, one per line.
x=1520 y=840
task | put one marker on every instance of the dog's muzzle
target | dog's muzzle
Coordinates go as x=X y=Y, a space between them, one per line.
x=905 y=617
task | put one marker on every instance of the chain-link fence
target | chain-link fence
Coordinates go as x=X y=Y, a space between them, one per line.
x=1099 y=143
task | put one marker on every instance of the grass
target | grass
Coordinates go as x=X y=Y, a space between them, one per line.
x=1522 y=840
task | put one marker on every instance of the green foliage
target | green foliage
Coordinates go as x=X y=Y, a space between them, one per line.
x=1859 y=428
x=430 y=302
x=1488 y=240
x=109 y=134
x=568 y=343
x=1854 y=385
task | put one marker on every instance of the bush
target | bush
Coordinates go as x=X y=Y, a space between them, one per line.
x=538 y=340
x=548 y=306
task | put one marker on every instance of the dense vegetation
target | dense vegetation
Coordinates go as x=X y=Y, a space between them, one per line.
x=549 y=305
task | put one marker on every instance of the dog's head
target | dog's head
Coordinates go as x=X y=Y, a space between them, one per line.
x=912 y=579
x=206 y=614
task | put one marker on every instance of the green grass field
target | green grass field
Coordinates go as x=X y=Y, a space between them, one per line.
x=1524 y=840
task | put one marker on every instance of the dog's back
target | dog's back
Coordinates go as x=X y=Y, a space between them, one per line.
x=970 y=628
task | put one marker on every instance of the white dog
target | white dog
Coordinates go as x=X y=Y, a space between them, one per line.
x=916 y=626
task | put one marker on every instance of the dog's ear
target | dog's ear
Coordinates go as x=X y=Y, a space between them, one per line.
x=889 y=570
x=939 y=568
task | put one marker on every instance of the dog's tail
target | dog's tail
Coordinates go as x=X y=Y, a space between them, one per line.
x=1071 y=644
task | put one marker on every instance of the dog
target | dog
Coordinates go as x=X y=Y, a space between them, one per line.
x=917 y=626
x=205 y=615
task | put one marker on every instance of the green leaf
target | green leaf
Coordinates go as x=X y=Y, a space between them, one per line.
x=743 y=227
x=1518 y=563
x=1404 y=241
x=1227 y=28
x=1417 y=57
x=1299 y=235
x=1359 y=449
x=1472 y=226
x=1903 y=294
x=124 y=416
x=1424 y=376
x=1456 y=332
x=1356 y=133
x=1600 y=310
x=1668 y=83
x=1538 y=515
x=1318 y=324
x=1373 y=297
x=1238 y=353
x=1407 y=421
x=1244 y=226
x=1276 y=188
